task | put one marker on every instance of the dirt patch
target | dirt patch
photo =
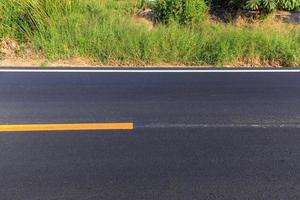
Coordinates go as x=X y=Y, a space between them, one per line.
x=8 y=48
x=74 y=62
x=37 y=62
x=253 y=62
x=13 y=54
x=147 y=14
x=224 y=16
x=145 y=17
x=19 y=62
x=288 y=17
x=82 y=62
x=143 y=22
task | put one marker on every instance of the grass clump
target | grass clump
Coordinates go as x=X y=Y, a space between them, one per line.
x=106 y=32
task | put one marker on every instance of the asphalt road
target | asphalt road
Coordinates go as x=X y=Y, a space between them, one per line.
x=196 y=136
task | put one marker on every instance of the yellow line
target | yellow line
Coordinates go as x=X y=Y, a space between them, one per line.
x=66 y=127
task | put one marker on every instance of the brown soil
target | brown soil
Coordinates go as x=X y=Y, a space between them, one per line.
x=146 y=18
x=8 y=47
x=37 y=62
x=223 y=16
x=143 y=22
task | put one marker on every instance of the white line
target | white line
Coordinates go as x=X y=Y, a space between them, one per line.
x=218 y=126
x=143 y=71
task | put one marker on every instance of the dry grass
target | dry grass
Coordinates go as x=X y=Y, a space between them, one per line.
x=269 y=23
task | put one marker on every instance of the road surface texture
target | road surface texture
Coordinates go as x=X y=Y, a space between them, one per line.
x=196 y=136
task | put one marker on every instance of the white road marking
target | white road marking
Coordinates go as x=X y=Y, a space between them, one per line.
x=147 y=71
x=271 y=125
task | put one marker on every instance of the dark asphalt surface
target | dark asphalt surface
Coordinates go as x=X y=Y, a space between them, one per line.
x=197 y=136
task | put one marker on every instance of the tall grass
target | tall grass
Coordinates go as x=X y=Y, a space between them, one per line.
x=104 y=31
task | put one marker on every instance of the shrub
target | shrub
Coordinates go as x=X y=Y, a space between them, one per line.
x=268 y=5
x=271 y=5
x=181 y=11
x=226 y=4
x=264 y=5
x=289 y=4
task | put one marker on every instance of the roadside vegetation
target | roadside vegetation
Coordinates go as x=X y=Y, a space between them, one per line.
x=108 y=32
x=262 y=5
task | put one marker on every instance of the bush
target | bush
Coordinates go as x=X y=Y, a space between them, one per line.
x=289 y=4
x=181 y=11
x=271 y=5
x=263 y=5
x=226 y=4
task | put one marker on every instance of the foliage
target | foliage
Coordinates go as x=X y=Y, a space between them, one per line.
x=271 y=5
x=182 y=11
x=265 y=5
x=226 y=4
x=289 y=4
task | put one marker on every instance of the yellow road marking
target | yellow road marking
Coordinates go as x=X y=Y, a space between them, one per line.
x=65 y=127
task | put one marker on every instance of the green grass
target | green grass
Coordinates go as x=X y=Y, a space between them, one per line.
x=104 y=31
